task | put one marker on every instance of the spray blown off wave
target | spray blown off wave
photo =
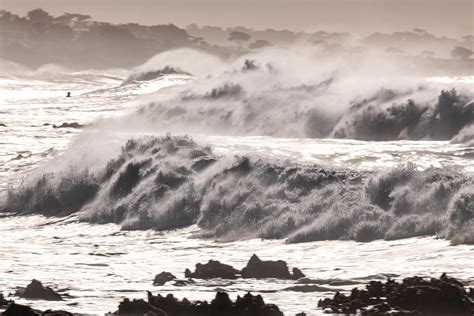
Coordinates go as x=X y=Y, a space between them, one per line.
x=171 y=182
x=282 y=94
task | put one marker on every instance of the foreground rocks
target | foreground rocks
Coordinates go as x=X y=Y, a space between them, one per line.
x=3 y=301
x=256 y=268
x=413 y=296
x=21 y=310
x=36 y=290
x=248 y=305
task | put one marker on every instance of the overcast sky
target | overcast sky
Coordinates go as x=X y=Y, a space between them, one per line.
x=443 y=17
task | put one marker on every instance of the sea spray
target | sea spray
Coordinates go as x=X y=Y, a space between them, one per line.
x=170 y=182
x=301 y=94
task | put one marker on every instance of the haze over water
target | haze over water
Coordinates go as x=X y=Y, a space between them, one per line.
x=349 y=157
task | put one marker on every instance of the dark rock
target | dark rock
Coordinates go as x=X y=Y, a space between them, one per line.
x=20 y=310
x=212 y=270
x=163 y=277
x=254 y=305
x=138 y=307
x=36 y=290
x=56 y=313
x=413 y=296
x=69 y=125
x=2 y=125
x=183 y=282
x=297 y=274
x=259 y=269
x=248 y=305
x=3 y=301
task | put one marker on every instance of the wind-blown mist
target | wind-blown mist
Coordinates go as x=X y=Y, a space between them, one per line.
x=277 y=93
x=172 y=182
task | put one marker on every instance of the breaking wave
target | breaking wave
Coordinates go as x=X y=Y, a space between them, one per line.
x=283 y=94
x=170 y=182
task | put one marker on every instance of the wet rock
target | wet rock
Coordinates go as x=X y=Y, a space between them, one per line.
x=3 y=301
x=220 y=305
x=163 y=277
x=260 y=269
x=248 y=305
x=138 y=307
x=20 y=310
x=36 y=290
x=297 y=274
x=56 y=313
x=183 y=282
x=413 y=296
x=212 y=270
x=69 y=125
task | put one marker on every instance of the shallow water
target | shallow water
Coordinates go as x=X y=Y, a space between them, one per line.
x=98 y=265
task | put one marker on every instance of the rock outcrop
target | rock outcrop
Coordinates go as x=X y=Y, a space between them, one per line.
x=413 y=296
x=255 y=268
x=22 y=310
x=248 y=305
x=212 y=270
x=36 y=290
x=163 y=277
x=259 y=269
x=69 y=125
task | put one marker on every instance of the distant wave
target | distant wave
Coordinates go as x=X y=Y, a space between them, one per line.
x=171 y=182
x=296 y=96
x=153 y=74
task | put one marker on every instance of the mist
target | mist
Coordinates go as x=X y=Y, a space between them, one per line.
x=145 y=136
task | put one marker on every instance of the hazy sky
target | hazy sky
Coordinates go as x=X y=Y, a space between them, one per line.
x=443 y=17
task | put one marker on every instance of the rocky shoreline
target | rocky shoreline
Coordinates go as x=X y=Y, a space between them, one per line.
x=441 y=296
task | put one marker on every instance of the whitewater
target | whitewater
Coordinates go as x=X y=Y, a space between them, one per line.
x=170 y=169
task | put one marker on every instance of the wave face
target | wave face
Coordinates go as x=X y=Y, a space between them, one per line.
x=282 y=94
x=169 y=182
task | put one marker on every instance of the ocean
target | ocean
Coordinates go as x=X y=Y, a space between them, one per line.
x=168 y=170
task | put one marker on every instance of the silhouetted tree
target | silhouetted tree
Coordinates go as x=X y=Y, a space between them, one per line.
x=40 y=16
x=260 y=44
x=461 y=53
x=239 y=37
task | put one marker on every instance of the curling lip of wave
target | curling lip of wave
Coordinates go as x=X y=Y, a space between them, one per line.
x=171 y=182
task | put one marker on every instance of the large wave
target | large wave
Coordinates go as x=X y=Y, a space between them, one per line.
x=170 y=182
x=303 y=94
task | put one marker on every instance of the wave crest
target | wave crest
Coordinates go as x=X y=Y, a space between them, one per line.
x=171 y=182
x=261 y=94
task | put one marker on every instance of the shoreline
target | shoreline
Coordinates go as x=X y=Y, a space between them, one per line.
x=411 y=296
